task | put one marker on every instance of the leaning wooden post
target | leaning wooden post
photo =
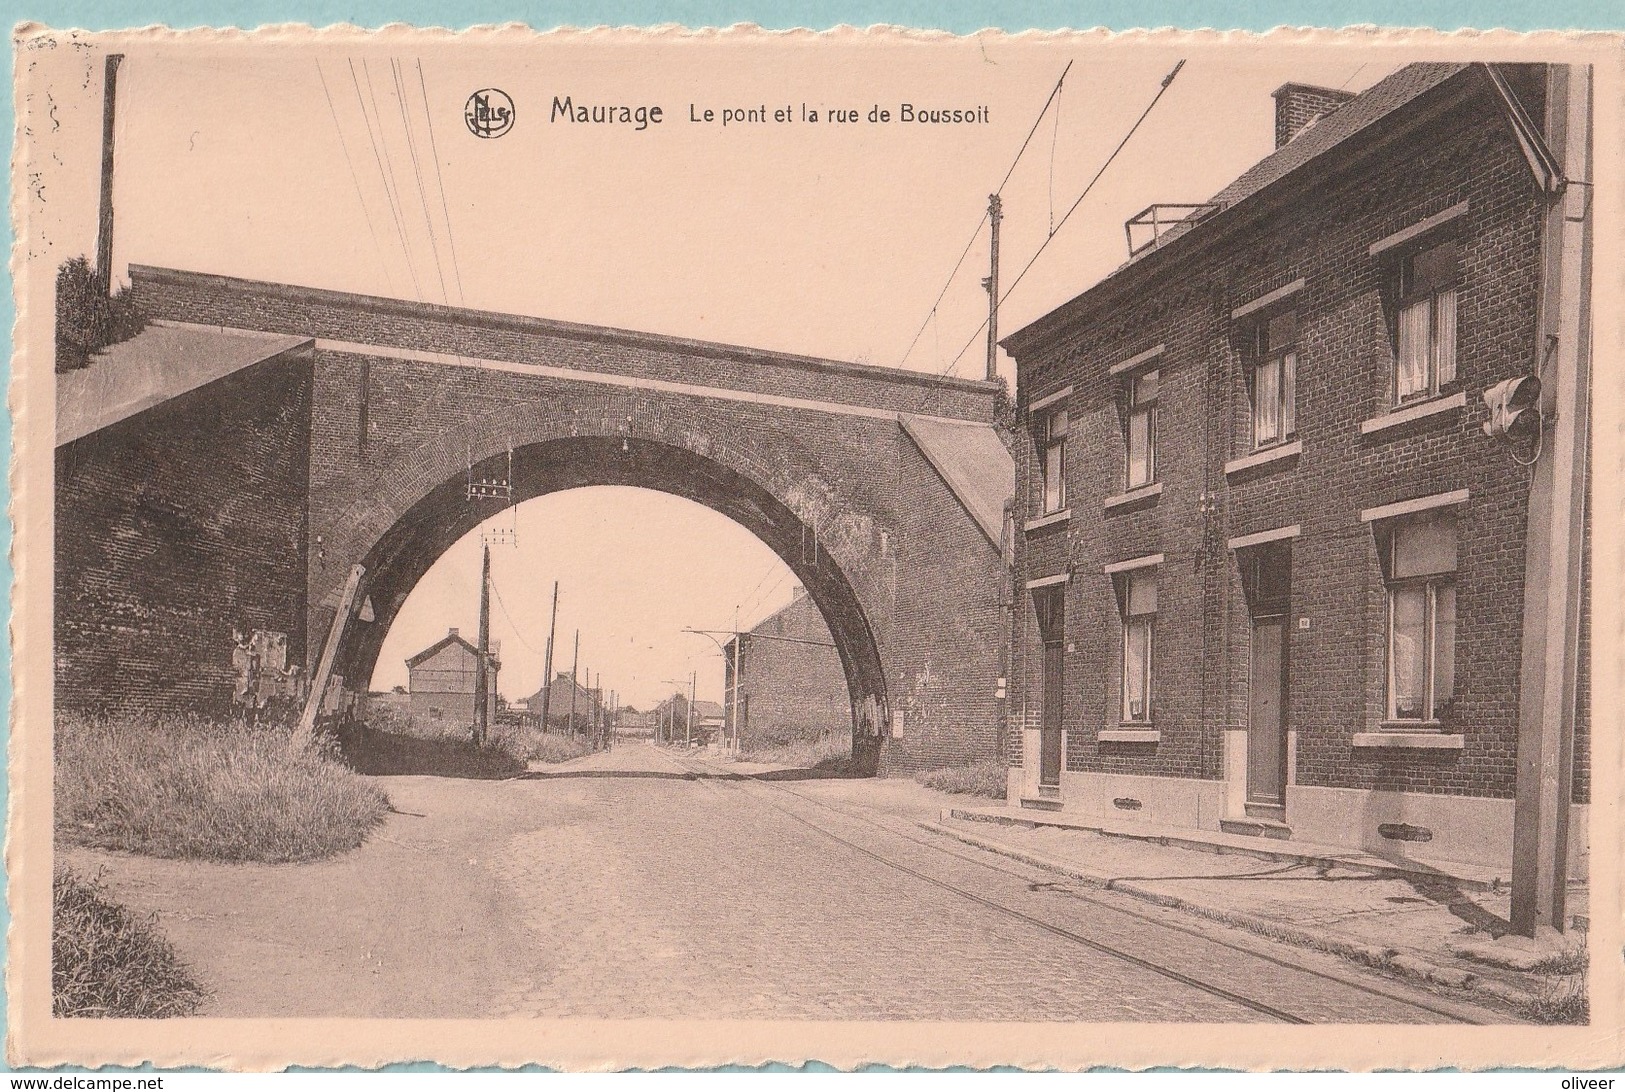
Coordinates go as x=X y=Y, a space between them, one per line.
x=324 y=670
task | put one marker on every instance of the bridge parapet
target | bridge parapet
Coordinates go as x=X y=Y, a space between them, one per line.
x=484 y=339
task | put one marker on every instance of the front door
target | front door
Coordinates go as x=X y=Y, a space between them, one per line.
x=1267 y=580
x=1051 y=607
x=1049 y=751
x=1266 y=738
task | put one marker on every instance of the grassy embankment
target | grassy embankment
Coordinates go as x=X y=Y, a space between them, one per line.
x=398 y=741
x=105 y=961
x=180 y=787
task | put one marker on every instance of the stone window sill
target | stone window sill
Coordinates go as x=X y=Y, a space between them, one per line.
x=1045 y=521
x=1130 y=735
x=1133 y=496
x=1262 y=458
x=1410 y=738
x=1416 y=411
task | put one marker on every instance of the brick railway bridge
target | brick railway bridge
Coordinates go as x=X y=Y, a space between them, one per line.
x=229 y=465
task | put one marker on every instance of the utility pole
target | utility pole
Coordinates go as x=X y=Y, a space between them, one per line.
x=482 y=674
x=1553 y=589
x=104 y=221
x=995 y=213
x=688 y=729
x=547 y=663
x=574 y=664
x=739 y=641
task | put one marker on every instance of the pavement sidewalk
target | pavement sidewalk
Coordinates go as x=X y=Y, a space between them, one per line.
x=1425 y=924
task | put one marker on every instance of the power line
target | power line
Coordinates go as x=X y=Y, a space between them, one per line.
x=377 y=246
x=417 y=173
x=386 y=167
x=976 y=233
x=1161 y=90
x=511 y=623
x=440 y=182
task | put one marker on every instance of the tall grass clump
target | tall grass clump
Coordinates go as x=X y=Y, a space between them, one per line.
x=397 y=740
x=977 y=779
x=87 y=321
x=206 y=789
x=535 y=745
x=824 y=751
x=105 y=961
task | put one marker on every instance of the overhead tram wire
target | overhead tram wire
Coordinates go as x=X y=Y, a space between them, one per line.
x=1167 y=81
x=417 y=174
x=496 y=591
x=372 y=229
x=440 y=182
x=380 y=155
x=976 y=234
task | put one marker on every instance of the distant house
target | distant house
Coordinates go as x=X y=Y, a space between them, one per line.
x=441 y=679
x=709 y=720
x=587 y=702
x=790 y=685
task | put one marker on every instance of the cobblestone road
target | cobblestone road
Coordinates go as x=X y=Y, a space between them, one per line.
x=636 y=885
x=674 y=889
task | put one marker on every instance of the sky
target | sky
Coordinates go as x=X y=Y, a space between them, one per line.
x=347 y=165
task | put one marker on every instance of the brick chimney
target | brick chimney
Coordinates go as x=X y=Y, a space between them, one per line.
x=453 y=632
x=1298 y=105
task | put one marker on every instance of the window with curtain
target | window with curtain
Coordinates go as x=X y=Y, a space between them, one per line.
x=1051 y=433
x=1421 y=617
x=1141 y=391
x=1275 y=381
x=1426 y=351
x=1139 y=600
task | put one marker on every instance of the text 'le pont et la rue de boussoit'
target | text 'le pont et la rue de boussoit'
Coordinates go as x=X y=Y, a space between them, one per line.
x=566 y=109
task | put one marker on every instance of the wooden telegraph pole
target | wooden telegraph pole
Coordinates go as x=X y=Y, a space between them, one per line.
x=104 y=222
x=995 y=213
x=574 y=665
x=482 y=674
x=547 y=662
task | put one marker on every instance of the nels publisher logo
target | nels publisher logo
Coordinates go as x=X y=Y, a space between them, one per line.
x=488 y=113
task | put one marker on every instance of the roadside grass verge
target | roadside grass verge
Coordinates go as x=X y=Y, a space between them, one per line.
x=396 y=741
x=830 y=751
x=208 y=790
x=535 y=745
x=977 y=779
x=105 y=961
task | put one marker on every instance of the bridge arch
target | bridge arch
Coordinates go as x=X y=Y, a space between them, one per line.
x=723 y=475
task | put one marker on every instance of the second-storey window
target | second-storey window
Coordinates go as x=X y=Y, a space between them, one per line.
x=1275 y=380
x=1426 y=343
x=1142 y=428
x=1139 y=598
x=1052 y=428
x=1421 y=617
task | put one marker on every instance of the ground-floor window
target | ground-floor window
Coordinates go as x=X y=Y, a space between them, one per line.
x=1421 y=556
x=1138 y=596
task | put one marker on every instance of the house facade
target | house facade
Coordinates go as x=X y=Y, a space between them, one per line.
x=789 y=683
x=586 y=707
x=441 y=680
x=1273 y=570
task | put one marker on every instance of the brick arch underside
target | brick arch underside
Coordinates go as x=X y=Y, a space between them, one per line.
x=405 y=552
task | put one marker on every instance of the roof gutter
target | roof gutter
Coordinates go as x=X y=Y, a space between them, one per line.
x=1543 y=164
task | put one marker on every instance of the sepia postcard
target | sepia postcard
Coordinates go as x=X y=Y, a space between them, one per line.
x=631 y=548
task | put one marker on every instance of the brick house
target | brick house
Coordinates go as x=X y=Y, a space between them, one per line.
x=587 y=701
x=790 y=684
x=1272 y=565
x=441 y=679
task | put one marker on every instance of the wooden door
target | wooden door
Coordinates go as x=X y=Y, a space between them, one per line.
x=1266 y=739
